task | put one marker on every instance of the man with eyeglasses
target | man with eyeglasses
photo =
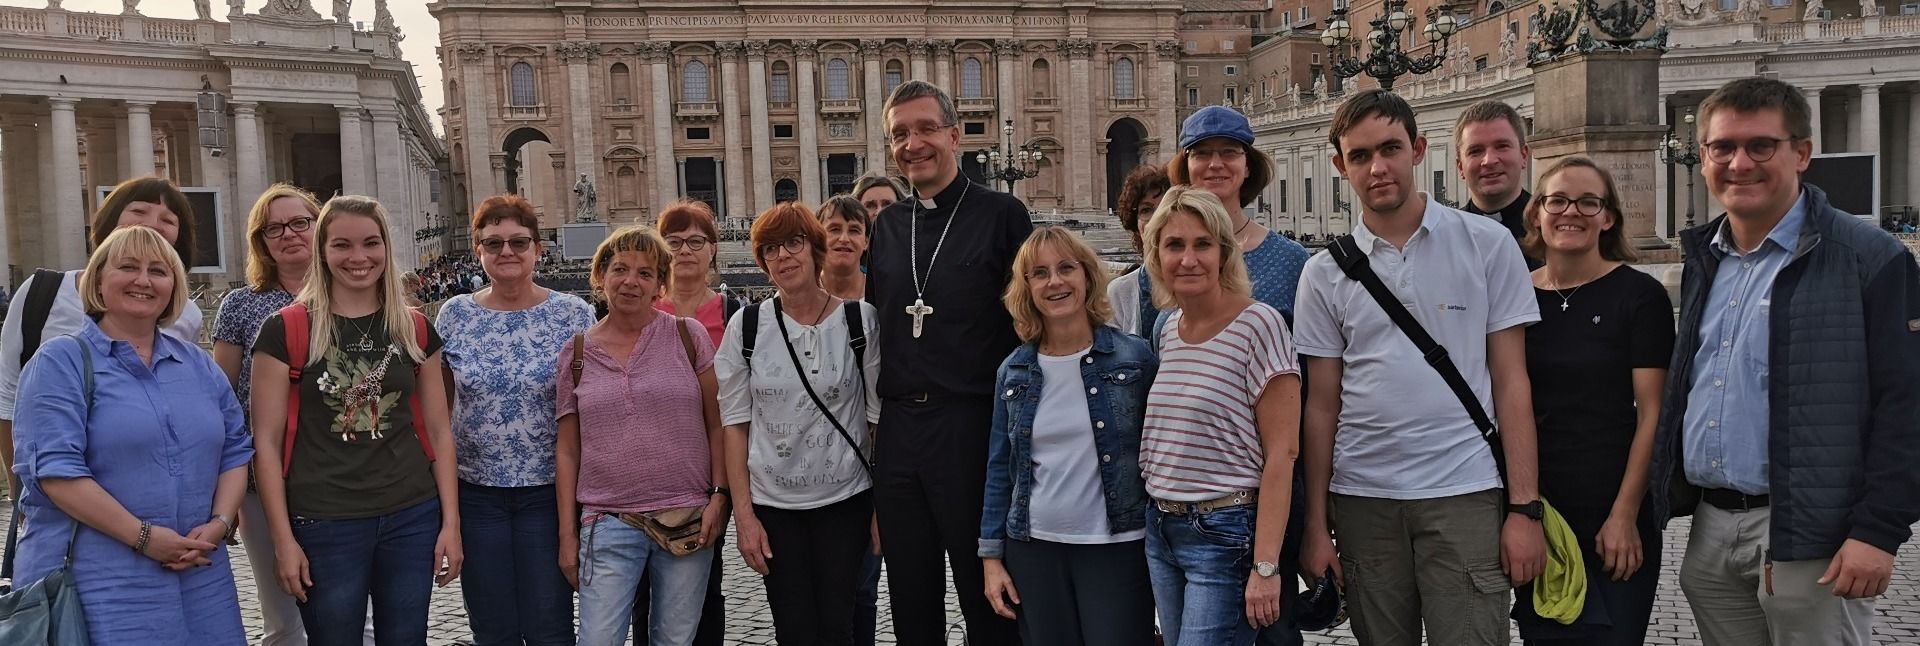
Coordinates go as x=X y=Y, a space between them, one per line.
x=1791 y=426
x=939 y=262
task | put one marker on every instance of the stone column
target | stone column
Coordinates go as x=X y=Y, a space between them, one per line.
x=1869 y=120
x=390 y=165
x=48 y=221
x=665 y=181
x=943 y=64
x=1080 y=109
x=353 y=153
x=1913 y=147
x=557 y=195
x=917 y=51
x=477 y=112
x=139 y=144
x=1006 y=58
x=1606 y=107
x=683 y=175
x=249 y=159
x=69 y=212
x=1813 y=112
x=757 y=125
x=876 y=84
x=1165 y=100
x=734 y=196
x=805 y=51
x=579 y=56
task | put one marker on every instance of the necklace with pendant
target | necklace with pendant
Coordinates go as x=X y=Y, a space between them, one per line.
x=919 y=309
x=365 y=344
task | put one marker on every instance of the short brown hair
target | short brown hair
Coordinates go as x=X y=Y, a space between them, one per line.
x=786 y=221
x=504 y=208
x=688 y=214
x=1367 y=103
x=1755 y=93
x=1259 y=172
x=1613 y=241
x=1027 y=321
x=145 y=189
x=635 y=238
x=1485 y=111
x=262 y=273
x=846 y=207
x=1140 y=183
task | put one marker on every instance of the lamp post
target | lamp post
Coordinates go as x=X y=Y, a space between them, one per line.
x=1387 y=58
x=1675 y=151
x=1015 y=165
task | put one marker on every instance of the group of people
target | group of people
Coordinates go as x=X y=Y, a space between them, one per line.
x=938 y=383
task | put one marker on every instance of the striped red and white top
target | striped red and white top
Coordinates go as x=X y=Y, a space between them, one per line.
x=1200 y=441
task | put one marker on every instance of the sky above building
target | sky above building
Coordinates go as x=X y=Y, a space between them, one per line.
x=422 y=32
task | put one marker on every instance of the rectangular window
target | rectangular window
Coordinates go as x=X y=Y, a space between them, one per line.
x=699 y=134
x=783 y=131
x=1193 y=96
x=1439 y=181
x=893 y=80
x=1779 y=3
x=1233 y=70
x=1479 y=63
x=782 y=87
x=976 y=128
x=1226 y=45
x=1283 y=196
x=1233 y=97
x=1316 y=58
x=1309 y=195
x=1192 y=47
x=433 y=186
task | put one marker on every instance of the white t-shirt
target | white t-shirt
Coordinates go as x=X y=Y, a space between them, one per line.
x=1067 y=503
x=1124 y=294
x=1402 y=433
x=1200 y=440
x=64 y=318
x=796 y=457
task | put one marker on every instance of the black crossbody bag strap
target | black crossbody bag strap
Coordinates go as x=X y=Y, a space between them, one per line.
x=801 y=372
x=1353 y=263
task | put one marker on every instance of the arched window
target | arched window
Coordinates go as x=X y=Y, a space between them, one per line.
x=786 y=191
x=520 y=78
x=970 y=85
x=453 y=94
x=782 y=84
x=1040 y=79
x=1123 y=86
x=693 y=82
x=896 y=74
x=838 y=86
x=620 y=83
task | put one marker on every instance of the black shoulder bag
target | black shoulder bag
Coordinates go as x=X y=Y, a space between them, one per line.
x=857 y=338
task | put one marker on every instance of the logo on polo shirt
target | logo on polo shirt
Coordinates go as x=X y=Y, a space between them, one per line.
x=1456 y=308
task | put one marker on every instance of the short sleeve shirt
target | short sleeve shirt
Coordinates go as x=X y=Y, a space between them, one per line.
x=504 y=431
x=238 y=322
x=1402 y=433
x=1200 y=439
x=356 y=455
x=643 y=433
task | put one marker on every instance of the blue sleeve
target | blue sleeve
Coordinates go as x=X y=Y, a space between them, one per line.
x=237 y=449
x=1889 y=503
x=999 y=488
x=50 y=422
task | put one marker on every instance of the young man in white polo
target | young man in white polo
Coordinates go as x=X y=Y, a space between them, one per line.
x=1394 y=462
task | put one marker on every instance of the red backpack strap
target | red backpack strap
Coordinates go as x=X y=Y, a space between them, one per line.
x=413 y=402
x=294 y=321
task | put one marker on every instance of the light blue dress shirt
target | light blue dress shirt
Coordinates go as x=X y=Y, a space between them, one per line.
x=1724 y=441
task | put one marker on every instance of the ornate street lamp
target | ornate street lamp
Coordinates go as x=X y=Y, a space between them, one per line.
x=1675 y=151
x=1017 y=164
x=1386 y=58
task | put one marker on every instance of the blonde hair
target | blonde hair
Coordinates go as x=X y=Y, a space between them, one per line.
x=262 y=274
x=317 y=295
x=133 y=242
x=1213 y=215
x=1027 y=320
x=638 y=239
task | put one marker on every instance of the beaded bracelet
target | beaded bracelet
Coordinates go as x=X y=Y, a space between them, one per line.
x=146 y=534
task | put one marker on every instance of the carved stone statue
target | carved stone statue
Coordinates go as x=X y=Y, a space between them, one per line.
x=1462 y=62
x=1508 y=39
x=1749 y=10
x=585 y=200
x=1293 y=91
x=53 y=4
x=1347 y=86
x=1814 y=7
x=1869 y=9
x=129 y=7
x=302 y=9
x=383 y=18
x=236 y=8
x=203 y=9
x=341 y=8
x=1320 y=86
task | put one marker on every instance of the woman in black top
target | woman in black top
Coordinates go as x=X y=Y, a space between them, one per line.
x=1597 y=360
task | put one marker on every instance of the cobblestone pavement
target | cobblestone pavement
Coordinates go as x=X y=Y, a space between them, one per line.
x=750 y=622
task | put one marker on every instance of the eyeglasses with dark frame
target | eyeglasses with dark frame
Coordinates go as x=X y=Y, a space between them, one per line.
x=519 y=244
x=923 y=131
x=695 y=243
x=1066 y=270
x=1557 y=204
x=1759 y=149
x=278 y=229
x=792 y=247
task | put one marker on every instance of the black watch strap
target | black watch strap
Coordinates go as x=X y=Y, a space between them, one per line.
x=1536 y=509
x=723 y=491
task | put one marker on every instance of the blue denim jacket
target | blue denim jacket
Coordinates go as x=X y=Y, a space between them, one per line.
x=1121 y=367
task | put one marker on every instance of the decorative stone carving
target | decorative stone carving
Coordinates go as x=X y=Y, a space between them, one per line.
x=1320 y=86
x=53 y=4
x=1749 y=10
x=236 y=8
x=806 y=49
x=1167 y=48
x=659 y=51
x=578 y=51
x=1077 y=47
x=756 y=49
x=919 y=47
x=729 y=50
x=783 y=162
x=129 y=7
x=1869 y=9
x=299 y=9
x=342 y=10
x=1293 y=91
x=870 y=48
x=203 y=9
x=1690 y=12
x=942 y=48
x=1508 y=39
x=1006 y=48
x=383 y=18
x=840 y=130
x=586 y=201
x=472 y=52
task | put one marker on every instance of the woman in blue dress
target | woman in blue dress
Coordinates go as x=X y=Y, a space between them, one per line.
x=154 y=460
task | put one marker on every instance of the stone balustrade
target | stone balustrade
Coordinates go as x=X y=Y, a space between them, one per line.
x=97 y=26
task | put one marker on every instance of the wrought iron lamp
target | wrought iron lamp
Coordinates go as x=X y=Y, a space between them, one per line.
x=1675 y=151
x=1015 y=165
x=1386 y=58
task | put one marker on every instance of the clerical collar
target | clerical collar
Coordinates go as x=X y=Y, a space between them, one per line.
x=946 y=195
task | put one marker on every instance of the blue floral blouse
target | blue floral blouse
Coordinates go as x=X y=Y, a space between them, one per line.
x=504 y=366
x=238 y=322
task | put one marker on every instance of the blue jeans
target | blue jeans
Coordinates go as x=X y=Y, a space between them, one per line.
x=512 y=584
x=388 y=558
x=1199 y=565
x=612 y=556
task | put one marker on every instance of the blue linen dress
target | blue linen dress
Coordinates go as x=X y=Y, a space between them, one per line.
x=157 y=440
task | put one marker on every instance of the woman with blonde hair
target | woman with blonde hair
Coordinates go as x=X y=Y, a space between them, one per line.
x=639 y=453
x=130 y=439
x=356 y=462
x=1222 y=431
x=279 y=251
x=1063 y=527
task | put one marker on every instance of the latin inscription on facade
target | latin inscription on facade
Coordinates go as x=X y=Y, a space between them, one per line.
x=804 y=20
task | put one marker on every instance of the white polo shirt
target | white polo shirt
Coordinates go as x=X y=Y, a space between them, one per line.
x=1402 y=434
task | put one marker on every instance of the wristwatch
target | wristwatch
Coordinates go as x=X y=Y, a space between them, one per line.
x=1266 y=568
x=723 y=491
x=1536 y=509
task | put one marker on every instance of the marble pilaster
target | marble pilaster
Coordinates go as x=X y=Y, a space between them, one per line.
x=139 y=145
x=762 y=172
x=1080 y=106
x=353 y=153
x=806 y=51
x=730 y=140
x=870 y=60
x=665 y=180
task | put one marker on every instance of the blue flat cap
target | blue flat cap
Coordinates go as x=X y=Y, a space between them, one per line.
x=1215 y=121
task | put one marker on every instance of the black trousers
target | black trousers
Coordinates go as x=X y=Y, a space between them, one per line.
x=928 y=488
x=713 y=611
x=819 y=562
x=1082 y=595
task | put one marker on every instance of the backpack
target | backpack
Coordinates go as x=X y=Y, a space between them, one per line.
x=856 y=335
x=294 y=317
x=39 y=303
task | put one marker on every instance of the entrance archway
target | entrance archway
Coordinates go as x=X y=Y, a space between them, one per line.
x=1123 y=154
x=511 y=146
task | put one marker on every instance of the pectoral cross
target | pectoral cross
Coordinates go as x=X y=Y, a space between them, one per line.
x=919 y=311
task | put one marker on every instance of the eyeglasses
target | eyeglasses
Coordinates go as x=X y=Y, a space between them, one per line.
x=296 y=225
x=1066 y=271
x=1587 y=206
x=923 y=131
x=695 y=243
x=1225 y=153
x=792 y=247
x=1759 y=149
x=519 y=244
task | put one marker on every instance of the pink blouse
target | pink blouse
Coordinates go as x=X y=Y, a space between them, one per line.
x=643 y=433
x=713 y=314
